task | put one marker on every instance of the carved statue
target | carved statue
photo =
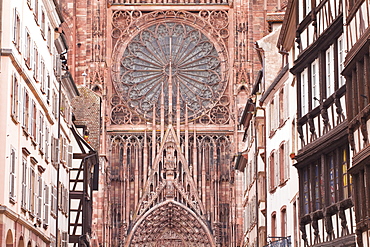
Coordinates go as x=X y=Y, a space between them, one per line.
x=302 y=228
x=325 y=118
x=312 y=127
x=300 y=132
x=364 y=131
x=329 y=228
x=351 y=139
x=339 y=110
x=343 y=221
x=315 y=226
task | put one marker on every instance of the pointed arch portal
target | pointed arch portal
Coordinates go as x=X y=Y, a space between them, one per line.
x=170 y=224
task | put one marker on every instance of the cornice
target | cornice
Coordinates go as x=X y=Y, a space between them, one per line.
x=18 y=219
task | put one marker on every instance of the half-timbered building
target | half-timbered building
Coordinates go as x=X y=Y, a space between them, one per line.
x=323 y=158
x=356 y=72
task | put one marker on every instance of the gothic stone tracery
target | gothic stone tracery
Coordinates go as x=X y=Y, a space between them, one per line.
x=171 y=176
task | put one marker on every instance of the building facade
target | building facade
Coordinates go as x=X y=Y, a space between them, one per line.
x=356 y=72
x=173 y=77
x=313 y=35
x=36 y=91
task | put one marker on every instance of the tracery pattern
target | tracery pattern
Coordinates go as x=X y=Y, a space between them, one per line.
x=174 y=61
x=171 y=57
x=121 y=114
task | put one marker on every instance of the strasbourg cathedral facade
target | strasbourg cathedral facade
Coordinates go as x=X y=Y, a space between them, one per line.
x=173 y=77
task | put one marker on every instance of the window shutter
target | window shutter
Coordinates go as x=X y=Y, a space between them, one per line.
x=276 y=170
x=46 y=204
x=24 y=184
x=12 y=173
x=70 y=156
x=39 y=197
x=286 y=102
x=287 y=160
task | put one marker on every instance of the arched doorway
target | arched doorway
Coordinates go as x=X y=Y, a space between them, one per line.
x=170 y=224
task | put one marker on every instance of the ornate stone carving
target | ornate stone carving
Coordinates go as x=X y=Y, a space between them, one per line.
x=170 y=61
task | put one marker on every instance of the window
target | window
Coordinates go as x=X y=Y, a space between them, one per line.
x=329 y=71
x=346 y=178
x=55 y=104
x=25 y=118
x=317 y=192
x=17 y=30
x=281 y=107
x=272 y=170
x=64 y=150
x=283 y=222
x=325 y=181
x=48 y=85
x=64 y=239
x=49 y=38
x=32 y=190
x=35 y=65
x=41 y=132
x=283 y=163
x=39 y=197
x=43 y=25
x=36 y=10
x=32 y=126
x=15 y=98
x=53 y=200
x=70 y=156
x=46 y=205
x=304 y=93
x=47 y=142
x=12 y=175
x=333 y=179
x=42 y=76
x=24 y=182
x=273 y=224
x=341 y=57
x=315 y=84
x=27 y=50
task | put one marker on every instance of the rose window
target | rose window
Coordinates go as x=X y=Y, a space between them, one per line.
x=169 y=64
